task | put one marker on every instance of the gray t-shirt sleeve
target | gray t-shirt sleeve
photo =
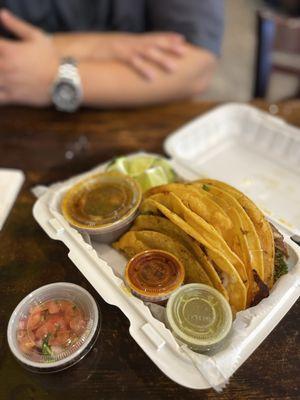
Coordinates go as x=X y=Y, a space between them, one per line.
x=200 y=21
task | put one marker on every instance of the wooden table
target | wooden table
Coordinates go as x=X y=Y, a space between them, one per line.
x=49 y=146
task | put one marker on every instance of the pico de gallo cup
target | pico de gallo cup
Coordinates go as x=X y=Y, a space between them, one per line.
x=53 y=327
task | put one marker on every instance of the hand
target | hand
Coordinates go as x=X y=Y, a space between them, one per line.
x=142 y=52
x=27 y=66
x=145 y=51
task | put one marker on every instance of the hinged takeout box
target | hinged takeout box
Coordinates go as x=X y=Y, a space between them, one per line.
x=247 y=148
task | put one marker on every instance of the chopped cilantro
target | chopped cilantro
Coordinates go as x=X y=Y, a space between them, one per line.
x=206 y=187
x=46 y=348
x=280 y=265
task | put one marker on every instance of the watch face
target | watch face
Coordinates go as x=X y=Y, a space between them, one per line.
x=66 y=96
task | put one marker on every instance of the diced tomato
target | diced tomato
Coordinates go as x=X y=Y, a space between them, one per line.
x=65 y=304
x=26 y=344
x=22 y=324
x=44 y=330
x=58 y=321
x=38 y=308
x=21 y=334
x=73 y=312
x=61 y=321
x=53 y=324
x=53 y=307
x=31 y=335
x=68 y=309
x=34 y=309
x=34 y=320
x=77 y=324
x=60 y=339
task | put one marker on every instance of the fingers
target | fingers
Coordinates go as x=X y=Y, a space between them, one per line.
x=160 y=58
x=177 y=49
x=144 y=60
x=157 y=50
x=170 y=42
x=142 y=67
x=17 y=26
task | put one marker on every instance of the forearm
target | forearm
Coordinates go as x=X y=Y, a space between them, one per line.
x=113 y=84
x=78 y=45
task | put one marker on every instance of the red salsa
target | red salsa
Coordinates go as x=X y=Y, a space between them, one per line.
x=153 y=275
x=50 y=328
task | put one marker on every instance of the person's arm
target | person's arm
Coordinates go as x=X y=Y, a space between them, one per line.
x=115 y=45
x=28 y=68
x=138 y=51
x=113 y=84
x=201 y=23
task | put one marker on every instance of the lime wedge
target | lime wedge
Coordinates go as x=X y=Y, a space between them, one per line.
x=160 y=162
x=118 y=165
x=152 y=177
x=149 y=170
x=137 y=165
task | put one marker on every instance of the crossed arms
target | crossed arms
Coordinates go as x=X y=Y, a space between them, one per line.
x=117 y=69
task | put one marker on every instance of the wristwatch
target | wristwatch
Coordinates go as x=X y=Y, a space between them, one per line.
x=67 y=88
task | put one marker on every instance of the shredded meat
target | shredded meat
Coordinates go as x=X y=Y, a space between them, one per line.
x=263 y=290
x=279 y=241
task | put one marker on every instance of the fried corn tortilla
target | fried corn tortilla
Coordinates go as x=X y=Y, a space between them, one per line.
x=243 y=239
x=175 y=211
x=133 y=241
x=248 y=229
x=224 y=219
x=260 y=223
x=198 y=202
x=163 y=225
x=175 y=204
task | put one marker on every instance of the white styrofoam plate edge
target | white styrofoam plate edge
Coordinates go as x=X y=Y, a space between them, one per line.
x=181 y=165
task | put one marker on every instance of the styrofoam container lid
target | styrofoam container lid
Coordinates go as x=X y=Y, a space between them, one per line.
x=53 y=327
x=257 y=153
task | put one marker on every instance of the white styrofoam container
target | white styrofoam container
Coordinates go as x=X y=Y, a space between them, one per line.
x=247 y=148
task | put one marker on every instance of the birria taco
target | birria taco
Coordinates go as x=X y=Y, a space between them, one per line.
x=219 y=235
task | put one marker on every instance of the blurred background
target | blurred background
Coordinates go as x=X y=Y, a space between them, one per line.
x=261 y=51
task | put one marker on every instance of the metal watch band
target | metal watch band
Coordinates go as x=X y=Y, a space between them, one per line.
x=67 y=75
x=68 y=70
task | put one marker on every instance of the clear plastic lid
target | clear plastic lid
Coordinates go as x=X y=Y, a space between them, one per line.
x=53 y=327
x=199 y=316
x=153 y=275
x=101 y=200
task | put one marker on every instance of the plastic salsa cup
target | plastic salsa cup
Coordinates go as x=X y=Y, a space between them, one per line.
x=199 y=316
x=153 y=275
x=53 y=327
x=102 y=205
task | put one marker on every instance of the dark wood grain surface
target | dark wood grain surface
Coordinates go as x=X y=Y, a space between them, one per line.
x=49 y=146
